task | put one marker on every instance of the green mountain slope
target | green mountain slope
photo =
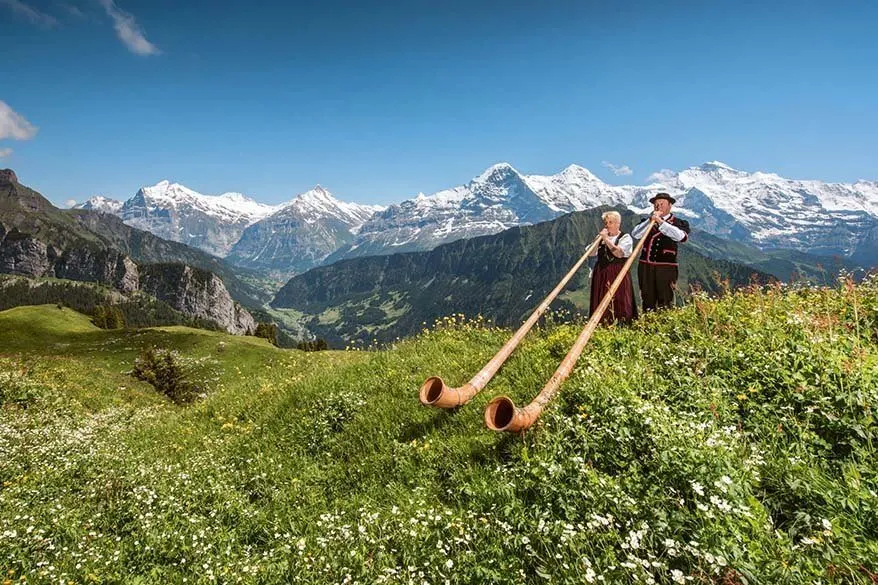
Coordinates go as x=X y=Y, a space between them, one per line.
x=501 y=277
x=730 y=441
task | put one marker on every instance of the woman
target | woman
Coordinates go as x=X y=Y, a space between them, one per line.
x=614 y=248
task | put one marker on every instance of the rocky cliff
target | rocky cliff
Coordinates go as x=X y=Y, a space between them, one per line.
x=197 y=293
x=37 y=239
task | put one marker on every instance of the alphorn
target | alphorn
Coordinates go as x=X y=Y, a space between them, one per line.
x=434 y=392
x=501 y=414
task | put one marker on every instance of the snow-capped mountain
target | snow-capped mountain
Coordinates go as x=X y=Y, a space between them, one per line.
x=496 y=200
x=102 y=204
x=760 y=208
x=316 y=228
x=210 y=222
x=174 y=212
x=301 y=234
x=774 y=212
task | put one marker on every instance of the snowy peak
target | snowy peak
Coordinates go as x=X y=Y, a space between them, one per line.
x=302 y=233
x=102 y=204
x=576 y=172
x=498 y=172
x=744 y=193
x=318 y=203
x=715 y=165
x=499 y=198
x=232 y=207
x=574 y=189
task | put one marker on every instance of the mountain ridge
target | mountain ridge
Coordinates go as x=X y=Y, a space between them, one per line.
x=760 y=208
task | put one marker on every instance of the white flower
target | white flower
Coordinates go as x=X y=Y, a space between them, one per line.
x=449 y=563
x=677 y=576
x=697 y=488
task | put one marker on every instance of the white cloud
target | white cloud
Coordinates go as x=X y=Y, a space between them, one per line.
x=662 y=176
x=128 y=31
x=30 y=13
x=13 y=125
x=4 y=152
x=70 y=203
x=619 y=170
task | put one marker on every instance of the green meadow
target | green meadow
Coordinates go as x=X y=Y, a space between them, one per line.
x=728 y=441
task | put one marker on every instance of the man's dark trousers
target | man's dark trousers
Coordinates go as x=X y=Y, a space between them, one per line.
x=657 y=285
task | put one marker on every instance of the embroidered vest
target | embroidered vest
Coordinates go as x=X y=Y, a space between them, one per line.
x=659 y=248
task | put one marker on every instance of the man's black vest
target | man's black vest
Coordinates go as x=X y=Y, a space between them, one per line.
x=659 y=248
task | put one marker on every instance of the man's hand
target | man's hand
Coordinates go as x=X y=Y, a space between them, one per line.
x=657 y=216
x=605 y=234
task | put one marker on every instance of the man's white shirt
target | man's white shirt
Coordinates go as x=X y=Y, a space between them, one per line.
x=667 y=229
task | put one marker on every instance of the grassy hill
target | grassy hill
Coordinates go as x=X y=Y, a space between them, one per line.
x=728 y=441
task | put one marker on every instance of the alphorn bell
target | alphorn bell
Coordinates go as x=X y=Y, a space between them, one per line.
x=501 y=414
x=434 y=392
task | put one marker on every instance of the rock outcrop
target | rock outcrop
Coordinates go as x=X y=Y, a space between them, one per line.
x=39 y=240
x=197 y=293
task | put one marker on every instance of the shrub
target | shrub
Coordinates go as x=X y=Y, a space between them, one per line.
x=163 y=369
x=108 y=317
x=315 y=345
x=267 y=331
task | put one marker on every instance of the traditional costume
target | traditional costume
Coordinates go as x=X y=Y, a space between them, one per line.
x=658 y=269
x=623 y=308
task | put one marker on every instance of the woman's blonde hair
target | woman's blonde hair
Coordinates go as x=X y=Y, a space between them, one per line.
x=611 y=214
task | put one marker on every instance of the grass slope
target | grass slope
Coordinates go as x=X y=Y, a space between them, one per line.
x=729 y=441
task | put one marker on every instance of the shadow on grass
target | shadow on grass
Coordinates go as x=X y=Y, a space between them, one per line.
x=439 y=419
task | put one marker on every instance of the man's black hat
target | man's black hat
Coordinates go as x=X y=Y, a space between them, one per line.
x=670 y=199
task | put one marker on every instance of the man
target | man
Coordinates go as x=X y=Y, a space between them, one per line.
x=657 y=270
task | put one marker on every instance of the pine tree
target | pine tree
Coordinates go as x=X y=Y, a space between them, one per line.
x=100 y=317
x=115 y=319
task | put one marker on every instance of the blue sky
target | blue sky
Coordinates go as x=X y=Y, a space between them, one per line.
x=380 y=100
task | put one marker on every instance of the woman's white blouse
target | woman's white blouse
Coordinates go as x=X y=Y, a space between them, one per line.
x=626 y=243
